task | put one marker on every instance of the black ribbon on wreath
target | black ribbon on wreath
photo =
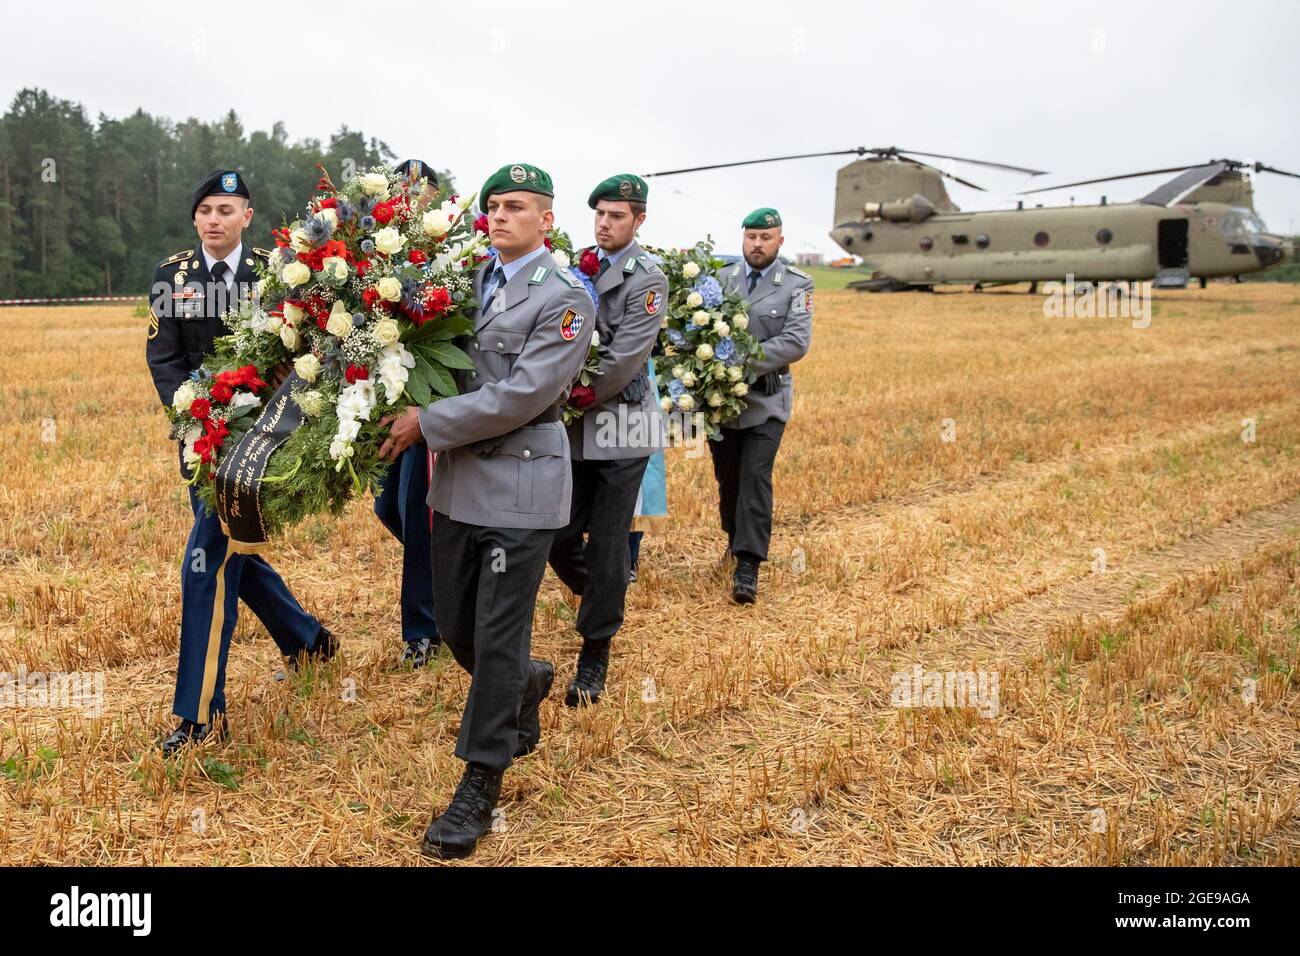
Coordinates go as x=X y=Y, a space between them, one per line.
x=239 y=476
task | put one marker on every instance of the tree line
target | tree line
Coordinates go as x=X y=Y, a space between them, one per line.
x=90 y=208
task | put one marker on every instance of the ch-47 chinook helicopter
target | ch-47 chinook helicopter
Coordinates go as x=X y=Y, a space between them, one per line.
x=893 y=212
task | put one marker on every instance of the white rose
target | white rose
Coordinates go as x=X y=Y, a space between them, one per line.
x=330 y=216
x=722 y=329
x=184 y=396
x=679 y=371
x=701 y=318
x=694 y=300
x=295 y=274
x=740 y=388
x=685 y=402
x=336 y=267
x=719 y=370
x=561 y=258
x=389 y=289
x=704 y=352
x=595 y=338
x=436 y=223
x=340 y=321
x=688 y=379
x=698 y=419
x=734 y=373
x=289 y=336
x=389 y=240
x=241 y=399
x=715 y=417
x=374 y=184
x=666 y=403
x=298 y=240
x=691 y=270
x=386 y=332
x=307 y=367
x=715 y=399
x=292 y=314
x=740 y=320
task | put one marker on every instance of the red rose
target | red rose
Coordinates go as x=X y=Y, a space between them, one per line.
x=582 y=396
x=546 y=241
x=589 y=262
x=221 y=392
x=200 y=408
x=356 y=373
x=363 y=266
x=417 y=257
x=383 y=213
x=329 y=203
x=370 y=296
x=481 y=225
x=437 y=301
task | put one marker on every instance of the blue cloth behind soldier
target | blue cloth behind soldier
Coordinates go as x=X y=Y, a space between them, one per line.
x=402 y=509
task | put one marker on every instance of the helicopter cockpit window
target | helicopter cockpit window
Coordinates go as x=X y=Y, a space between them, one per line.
x=1041 y=239
x=926 y=243
x=982 y=241
x=1240 y=223
x=1104 y=236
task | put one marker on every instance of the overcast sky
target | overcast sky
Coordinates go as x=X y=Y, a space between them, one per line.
x=588 y=89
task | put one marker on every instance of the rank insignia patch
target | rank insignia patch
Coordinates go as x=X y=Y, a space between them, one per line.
x=570 y=325
x=229 y=182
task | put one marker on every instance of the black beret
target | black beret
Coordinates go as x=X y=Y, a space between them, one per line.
x=417 y=168
x=219 y=182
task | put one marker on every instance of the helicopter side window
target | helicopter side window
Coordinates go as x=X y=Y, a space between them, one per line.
x=926 y=243
x=982 y=241
x=960 y=240
x=1104 y=236
x=1041 y=239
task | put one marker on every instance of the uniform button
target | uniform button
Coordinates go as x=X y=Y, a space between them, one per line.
x=527 y=453
x=501 y=346
x=473 y=374
x=476 y=346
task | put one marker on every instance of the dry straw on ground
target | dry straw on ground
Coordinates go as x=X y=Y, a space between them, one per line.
x=761 y=735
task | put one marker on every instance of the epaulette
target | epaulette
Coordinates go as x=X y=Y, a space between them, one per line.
x=176 y=258
x=264 y=253
x=568 y=276
x=798 y=272
x=649 y=264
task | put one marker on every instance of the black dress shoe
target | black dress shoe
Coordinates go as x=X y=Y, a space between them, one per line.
x=191 y=733
x=541 y=674
x=418 y=653
x=325 y=647
x=589 y=682
x=468 y=817
x=744 y=582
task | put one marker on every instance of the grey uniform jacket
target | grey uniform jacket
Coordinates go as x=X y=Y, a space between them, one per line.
x=780 y=316
x=633 y=296
x=494 y=468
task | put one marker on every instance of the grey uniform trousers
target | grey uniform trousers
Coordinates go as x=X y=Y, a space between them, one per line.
x=742 y=464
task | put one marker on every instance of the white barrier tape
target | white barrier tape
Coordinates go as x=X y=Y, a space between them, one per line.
x=81 y=298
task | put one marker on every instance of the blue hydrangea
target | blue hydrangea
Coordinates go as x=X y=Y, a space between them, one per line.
x=725 y=351
x=709 y=288
x=676 y=338
x=676 y=389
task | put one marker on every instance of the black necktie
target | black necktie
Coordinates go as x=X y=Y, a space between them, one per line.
x=753 y=279
x=604 y=267
x=219 y=270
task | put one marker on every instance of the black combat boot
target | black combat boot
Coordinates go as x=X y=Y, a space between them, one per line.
x=744 y=582
x=589 y=683
x=456 y=831
x=325 y=647
x=418 y=653
x=191 y=733
x=541 y=674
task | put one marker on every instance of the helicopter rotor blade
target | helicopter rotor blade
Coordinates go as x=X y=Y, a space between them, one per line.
x=751 y=162
x=976 y=162
x=1180 y=186
x=1260 y=167
x=1105 y=179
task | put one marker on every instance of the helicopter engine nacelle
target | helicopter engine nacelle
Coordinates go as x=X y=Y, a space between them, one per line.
x=915 y=209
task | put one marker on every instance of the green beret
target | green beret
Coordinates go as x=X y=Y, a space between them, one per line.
x=623 y=186
x=764 y=218
x=516 y=177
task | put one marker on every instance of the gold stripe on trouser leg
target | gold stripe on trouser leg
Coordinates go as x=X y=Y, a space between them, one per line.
x=214 y=642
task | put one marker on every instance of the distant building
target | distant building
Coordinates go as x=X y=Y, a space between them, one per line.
x=809 y=259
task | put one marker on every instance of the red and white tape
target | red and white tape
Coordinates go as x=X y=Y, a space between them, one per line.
x=80 y=298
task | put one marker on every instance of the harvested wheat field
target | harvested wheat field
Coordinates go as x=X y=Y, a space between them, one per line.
x=1097 y=533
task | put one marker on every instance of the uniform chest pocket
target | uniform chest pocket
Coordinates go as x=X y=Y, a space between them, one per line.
x=529 y=471
x=497 y=349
